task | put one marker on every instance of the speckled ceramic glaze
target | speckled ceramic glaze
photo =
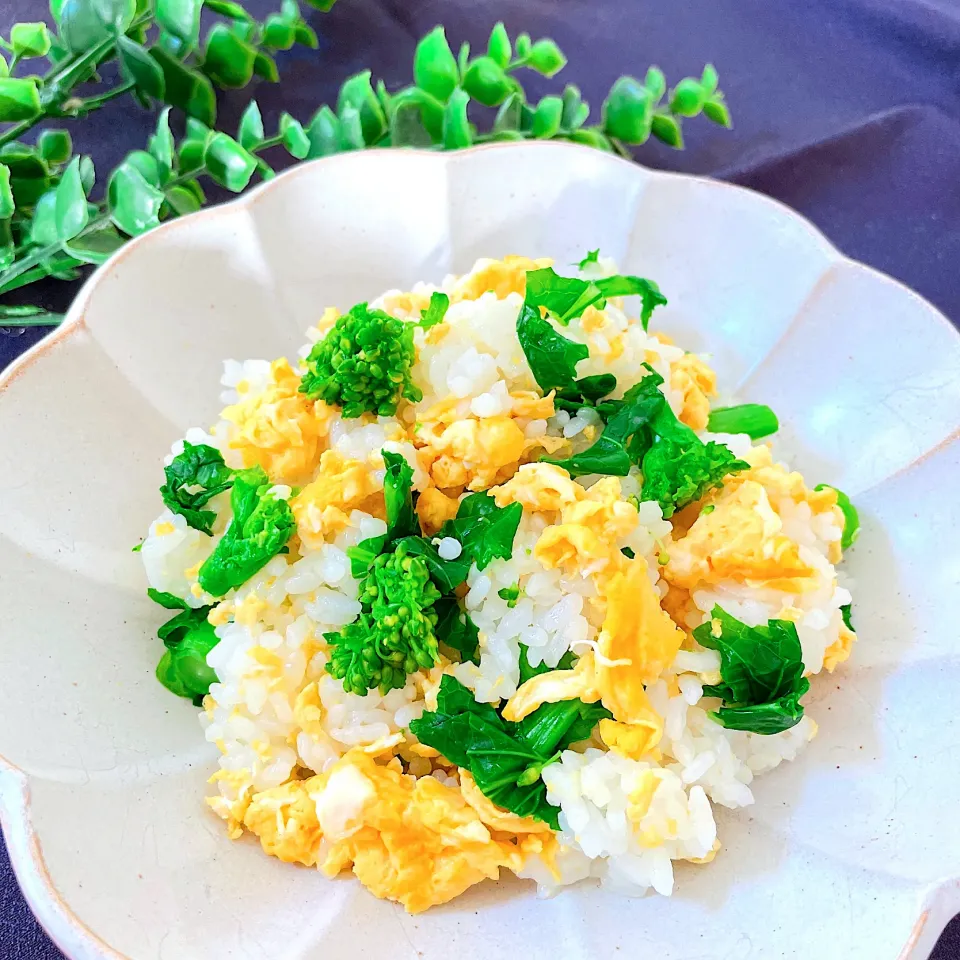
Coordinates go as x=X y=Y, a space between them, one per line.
x=852 y=851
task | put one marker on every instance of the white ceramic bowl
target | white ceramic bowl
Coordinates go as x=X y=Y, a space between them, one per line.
x=853 y=851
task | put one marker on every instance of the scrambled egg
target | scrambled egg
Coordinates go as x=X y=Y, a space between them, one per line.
x=323 y=506
x=502 y=277
x=637 y=642
x=741 y=539
x=416 y=841
x=280 y=428
x=696 y=383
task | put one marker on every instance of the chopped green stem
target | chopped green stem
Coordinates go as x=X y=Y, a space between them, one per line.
x=43 y=318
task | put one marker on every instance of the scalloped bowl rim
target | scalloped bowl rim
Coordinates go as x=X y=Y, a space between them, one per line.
x=939 y=900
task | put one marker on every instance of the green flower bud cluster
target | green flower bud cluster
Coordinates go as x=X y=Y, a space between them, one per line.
x=395 y=634
x=363 y=364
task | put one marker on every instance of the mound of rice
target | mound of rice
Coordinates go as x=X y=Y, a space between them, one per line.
x=329 y=778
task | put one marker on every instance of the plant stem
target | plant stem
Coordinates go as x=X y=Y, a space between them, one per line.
x=38 y=318
x=15 y=131
x=92 y=103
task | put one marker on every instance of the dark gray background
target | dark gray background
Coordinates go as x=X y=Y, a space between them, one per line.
x=848 y=110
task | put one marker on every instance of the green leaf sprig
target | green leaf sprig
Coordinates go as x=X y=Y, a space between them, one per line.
x=53 y=220
x=188 y=638
x=761 y=670
x=506 y=759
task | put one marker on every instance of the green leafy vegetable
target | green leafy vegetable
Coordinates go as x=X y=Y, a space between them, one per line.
x=396 y=631
x=168 y=600
x=434 y=314
x=456 y=629
x=505 y=759
x=511 y=594
x=183 y=668
x=553 y=358
x=846 y=613
x=593 y=256
x=397 y=492
x=676 y=473
x=754 y=419
x=194 y=478
x=528 y=671
x=761 y=670
x=259 y=530
x=363 y=364
x=630 y=421
x=567 y=297
x=485 y=531
x=851 y=518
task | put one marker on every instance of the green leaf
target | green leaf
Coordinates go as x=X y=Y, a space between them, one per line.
x=434 y=67
x=324 y=133
x=181 y=19
x=592 y=137
x=456 y=125
x=228 y=60
x=546 y=121
x=71 y=212
x=575 y=111
x=457 y=630
x=278 y=32
x=228 y=163
x=851 y=518
x=167 y=600
x=761 y=670
x=447 y=574
x=406 y=126
x=323 y=5
x=486 y=82
x=295 y=138
x=193 y=478
x=357 y=92
x=716 y=110
x=7 y=206
x=87 y=174
x=709 y=79
x=656 y=83
x=593 y=256
x=846 y=614
x=115 y=15
x=754 y=419
x=498 y=47
x=484 y=530
x=687 y=98
x=182 y=200
x=553 y=358
x=306 y=36
x=146 y=164
x=508 y=116
x=161 y=145
x=250 y=132
x=80 y=26
x=265 y=66
x=677 y=472
x=436 y=311
x=615 y=450
x=8 y=253
x=397 y=493
x=43 y=227
x=628 y=111
x=667 y=130
x=97 y=245
x=226 y=8
x=351 y=130
x=185 y=88
x=621 y=285
x=545 y=57
x=260 y=528
x=522 y=46
x=4 y=67
x=137 y=65
x=463 y=58
x=30 y=39
x=183 y=668
x=134 y=203
x=55 y=146
x=19 y=99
